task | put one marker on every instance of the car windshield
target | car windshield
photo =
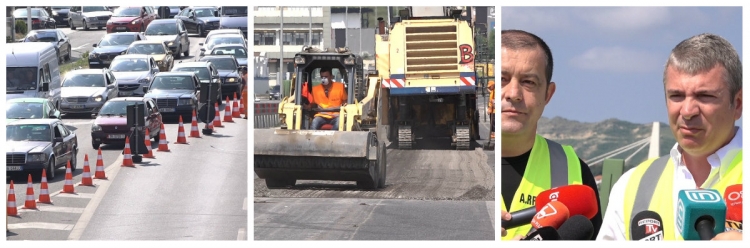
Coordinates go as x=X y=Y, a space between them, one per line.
x=129 y=64
x=234 y=10
x=41 y=36
x=224 y=64
x=238 y=52
x=24 y=13
x=125 y=12
x=29 y=132
x=162 y=29
x=116 y=107
x=94 y=8
x=202 y=72
x=117 y=40
x=224 y=40
x=61 y=7
x=84 y=80
x=24 y=110
x=204 y=13
x=20 y=78
x=148 y=49
x=173 y=83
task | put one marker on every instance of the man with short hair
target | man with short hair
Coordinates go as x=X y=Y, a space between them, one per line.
x=328 y=94
x=703 y=91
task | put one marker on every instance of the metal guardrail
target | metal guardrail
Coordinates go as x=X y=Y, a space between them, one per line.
x=267 y=115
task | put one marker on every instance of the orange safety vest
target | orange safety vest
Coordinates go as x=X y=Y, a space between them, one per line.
x=336 y=97
x=306 y=93
x=491 y=102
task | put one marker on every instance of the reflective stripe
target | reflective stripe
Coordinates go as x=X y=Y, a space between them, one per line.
x=647 y=186
x=558 y=164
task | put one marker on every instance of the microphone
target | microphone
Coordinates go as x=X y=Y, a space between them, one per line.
x=578 y=227
x=580 y=199
x=701 y=214
x=646 y=226
x=551 y=215
x=733 y=198
x=544 y=233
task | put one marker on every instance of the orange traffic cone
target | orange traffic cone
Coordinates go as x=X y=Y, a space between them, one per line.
x=127 y=157
x=44 y=191
x=194 y=133
x=86 y=179
x=181 y=139
x=147 y=140
x=163 y=143
x=217 y=117
x=227 y=112
x=12 y=209
x=242 y=107
x=235 y=107
x=30 y=201
x=99 y=174
x=68 y=187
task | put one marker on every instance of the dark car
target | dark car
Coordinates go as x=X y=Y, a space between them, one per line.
x=274 y=93
x=54 y=36
x=111 y=46
x=173 y=11
x=60 y=14
x=40 y=19
x=37 y=144
x=111 y=124
x=173 y=33
x=233 y=17
x=131 y=19
x=229 y=72
x=199 y=20
x=175 y=93
x=206 y=72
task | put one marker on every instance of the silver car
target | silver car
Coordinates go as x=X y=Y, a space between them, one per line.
x=86 y=90
x=89 y=17
x=220 y=39
x=133 y=72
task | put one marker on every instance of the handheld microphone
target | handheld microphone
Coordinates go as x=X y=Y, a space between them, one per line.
x=646 y=226
x=544 y=233
x=551 y=215
x=733 y=198
x=578 y=227
x=580 y=199
x=701 y=214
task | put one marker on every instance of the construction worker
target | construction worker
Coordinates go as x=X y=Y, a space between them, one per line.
x=328 y=94
x=528 y=159
x=491 y=108
x=703 y=91
x=244 y=91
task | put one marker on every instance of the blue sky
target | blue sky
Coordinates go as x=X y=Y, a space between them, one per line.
x=609 y=61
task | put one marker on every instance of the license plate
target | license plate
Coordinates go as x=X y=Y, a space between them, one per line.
x=167 y=110
x=76 y=106
x=116 y=136
x=13 y=168
x=93 y=62
x=122 y=28
x=125 y=93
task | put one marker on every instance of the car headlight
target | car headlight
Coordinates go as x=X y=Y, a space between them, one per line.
x=36 y=157
x=93 y=55
x=185 y=101
x=161 y=62
x=95 y=128
x=98 y=98
x=134 y=22
x=54 y=13
x=123 y=52
x=143 y=81
x=171 y=43
x=231 y=80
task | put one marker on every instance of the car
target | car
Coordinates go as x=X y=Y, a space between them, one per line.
x=36 y=144
x=238 y=51
x=60 y=14
x=206 y=72
x=157 y=49
x=111 y=123
x=229 y=72
x=199 y=20
x=175 y=93
x=274 y=93
x=133 y=72
x=234 y=17
x=86 y=90
x=40 y=19
x=111 y=46
x=89 y=17
x=131 y=19
x=54 y=36
x=30 y=108
x=173 y=33
x=220 y=39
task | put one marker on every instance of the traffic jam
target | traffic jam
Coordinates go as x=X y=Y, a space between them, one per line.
x=127 y=123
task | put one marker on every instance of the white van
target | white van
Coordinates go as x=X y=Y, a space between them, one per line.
x=32 y=70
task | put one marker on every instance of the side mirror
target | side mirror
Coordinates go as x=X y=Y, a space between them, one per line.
x=216 y=13
x=200 y=44
x=45 y=87
x=203 y=49
x=61 y=40
x=145 y=89
x=110 y=86
x=57 y=114
x=58 y=139
x=94 y=45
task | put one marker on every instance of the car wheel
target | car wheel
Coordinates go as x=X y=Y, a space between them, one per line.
x=200 y=31
x=51 y=169
x=95 y=145
x=179 y=52
x=85 y=27
x=74 y=160
x=70 y=22
x=187 y=51
x=70 y=50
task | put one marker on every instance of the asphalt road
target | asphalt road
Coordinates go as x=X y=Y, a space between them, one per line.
x=430 y=194
x=197 y=191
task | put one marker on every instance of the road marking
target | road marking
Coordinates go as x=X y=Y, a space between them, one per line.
x=244 y=204
x=242 y=234
x=41 y=225
x=80 y=47
x=88 y=213
x=51 y=208
x=76 y=195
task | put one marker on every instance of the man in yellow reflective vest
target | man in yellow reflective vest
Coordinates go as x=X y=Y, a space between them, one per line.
x=531 y=163
x=703 y=90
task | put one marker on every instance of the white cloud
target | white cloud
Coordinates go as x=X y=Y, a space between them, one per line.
x=617 y=59
x=619 y=19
